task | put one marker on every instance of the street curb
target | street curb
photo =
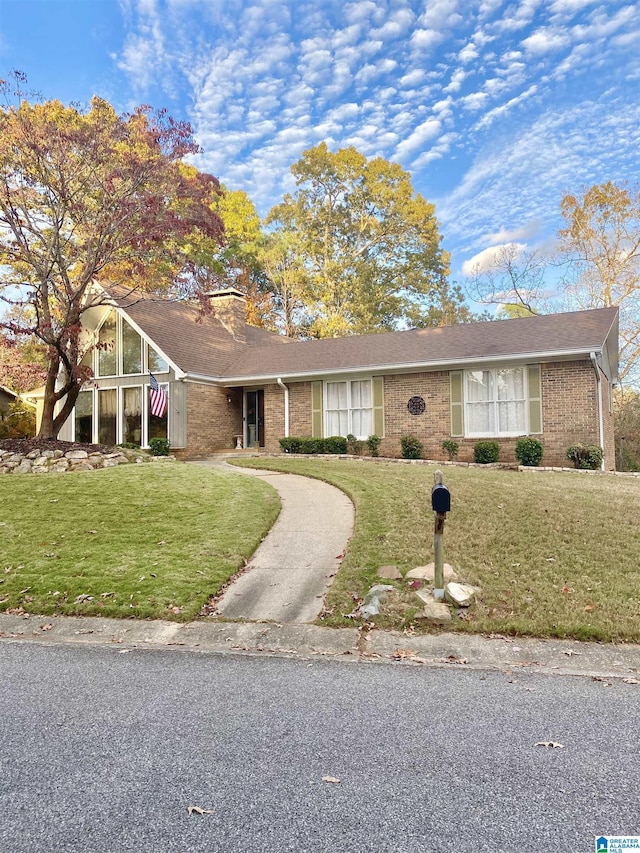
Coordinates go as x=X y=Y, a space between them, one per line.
x=303 y=641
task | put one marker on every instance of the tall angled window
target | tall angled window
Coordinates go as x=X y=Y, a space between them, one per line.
x=131 y=349
x=107 y=357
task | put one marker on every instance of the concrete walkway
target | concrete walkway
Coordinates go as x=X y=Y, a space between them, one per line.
x=288 y=577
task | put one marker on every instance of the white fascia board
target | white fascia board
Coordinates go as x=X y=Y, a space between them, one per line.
x=179 y=373
x=207 y=380
x=408 y=367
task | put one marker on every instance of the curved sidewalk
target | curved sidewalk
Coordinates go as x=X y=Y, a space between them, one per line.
x=287 y=578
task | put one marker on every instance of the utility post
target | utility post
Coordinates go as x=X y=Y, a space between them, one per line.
x=441 y=505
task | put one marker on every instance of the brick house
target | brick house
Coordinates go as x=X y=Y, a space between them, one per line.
x=230 y=384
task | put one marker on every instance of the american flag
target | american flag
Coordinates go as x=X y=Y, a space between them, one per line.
x=157 y=397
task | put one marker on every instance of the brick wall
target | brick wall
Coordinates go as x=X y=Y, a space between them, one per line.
x=569 y=413
x=273 y=417
x=212 y=422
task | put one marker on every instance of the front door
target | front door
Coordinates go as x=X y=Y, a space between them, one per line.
x=255 y=419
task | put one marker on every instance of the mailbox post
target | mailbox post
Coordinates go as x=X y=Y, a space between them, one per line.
x=441 y=505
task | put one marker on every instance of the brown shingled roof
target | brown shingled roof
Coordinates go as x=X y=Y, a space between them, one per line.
x=578 y=331
x=200 y=345
x=197 y=343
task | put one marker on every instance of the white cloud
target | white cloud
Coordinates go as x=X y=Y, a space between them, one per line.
x=545 y=40
x=456 y=81
x=422 y=134
x=487 y=259
x=503 y=236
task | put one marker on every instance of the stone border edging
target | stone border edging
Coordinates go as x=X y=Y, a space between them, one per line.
x=501 y=466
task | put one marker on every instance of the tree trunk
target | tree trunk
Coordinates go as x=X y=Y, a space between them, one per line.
x=47 y=429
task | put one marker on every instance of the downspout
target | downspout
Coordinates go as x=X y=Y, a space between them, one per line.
x=286 y=406
x=594 y=361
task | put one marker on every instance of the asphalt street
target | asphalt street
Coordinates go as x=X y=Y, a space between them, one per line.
x=104 y=748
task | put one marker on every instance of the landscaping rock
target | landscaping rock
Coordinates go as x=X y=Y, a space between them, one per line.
x=427 y=573
x=389 y=572
x=460 y=594
x=373 y=600
x=435 y=612
x=66 y=457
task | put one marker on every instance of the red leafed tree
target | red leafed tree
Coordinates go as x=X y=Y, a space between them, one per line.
x=89 y=195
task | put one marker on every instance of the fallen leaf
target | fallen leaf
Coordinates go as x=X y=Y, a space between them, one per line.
x=566 y=590
x=551 y=744
x=407 y=654
x=455 y=659
x=569 y=653
x=198 y=810
x=589 y=608
x=631 y=681
x=46 y=627
x=331 y=779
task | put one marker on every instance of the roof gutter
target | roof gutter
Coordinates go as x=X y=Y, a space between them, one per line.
x=408 y=366
x=286 y=406
x=594 y=361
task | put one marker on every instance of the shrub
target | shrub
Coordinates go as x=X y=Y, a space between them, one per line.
x=335 y=444
x=18 y=422
x=355 y=445
x=451 y=448
x=411 y=447
x=529 y=451
x=486 y=452
x=585 y=455
x=307 y=444
x=159 y=446
x=291 y=444
x=128 y=445
x=374 y=445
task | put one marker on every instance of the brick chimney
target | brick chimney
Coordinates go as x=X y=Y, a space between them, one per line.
x=230 y=307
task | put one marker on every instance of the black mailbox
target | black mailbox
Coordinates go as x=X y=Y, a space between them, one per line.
x=440 y=498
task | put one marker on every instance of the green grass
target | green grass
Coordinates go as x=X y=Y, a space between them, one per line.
x=557 y=555
x=144 y=541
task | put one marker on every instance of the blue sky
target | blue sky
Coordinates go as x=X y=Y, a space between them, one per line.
x=496 y=108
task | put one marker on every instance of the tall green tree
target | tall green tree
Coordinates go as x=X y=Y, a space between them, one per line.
x=601 y=241
x=88 y=194
x=368 y=244
x=234 y=261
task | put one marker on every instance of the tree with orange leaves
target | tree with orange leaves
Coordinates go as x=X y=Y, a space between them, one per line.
x=85 y=195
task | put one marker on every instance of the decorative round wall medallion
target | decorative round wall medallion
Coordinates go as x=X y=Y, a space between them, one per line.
x=416 y=406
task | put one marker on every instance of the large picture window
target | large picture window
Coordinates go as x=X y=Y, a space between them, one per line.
x=84 y=417
x=107 y=410
x=132 y=415
x=496 y=402
x=349 y=408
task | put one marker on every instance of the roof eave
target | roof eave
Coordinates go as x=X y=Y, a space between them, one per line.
x=405 y=367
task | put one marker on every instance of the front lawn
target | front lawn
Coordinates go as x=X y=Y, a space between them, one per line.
x=556 y=554
x=144 y=541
